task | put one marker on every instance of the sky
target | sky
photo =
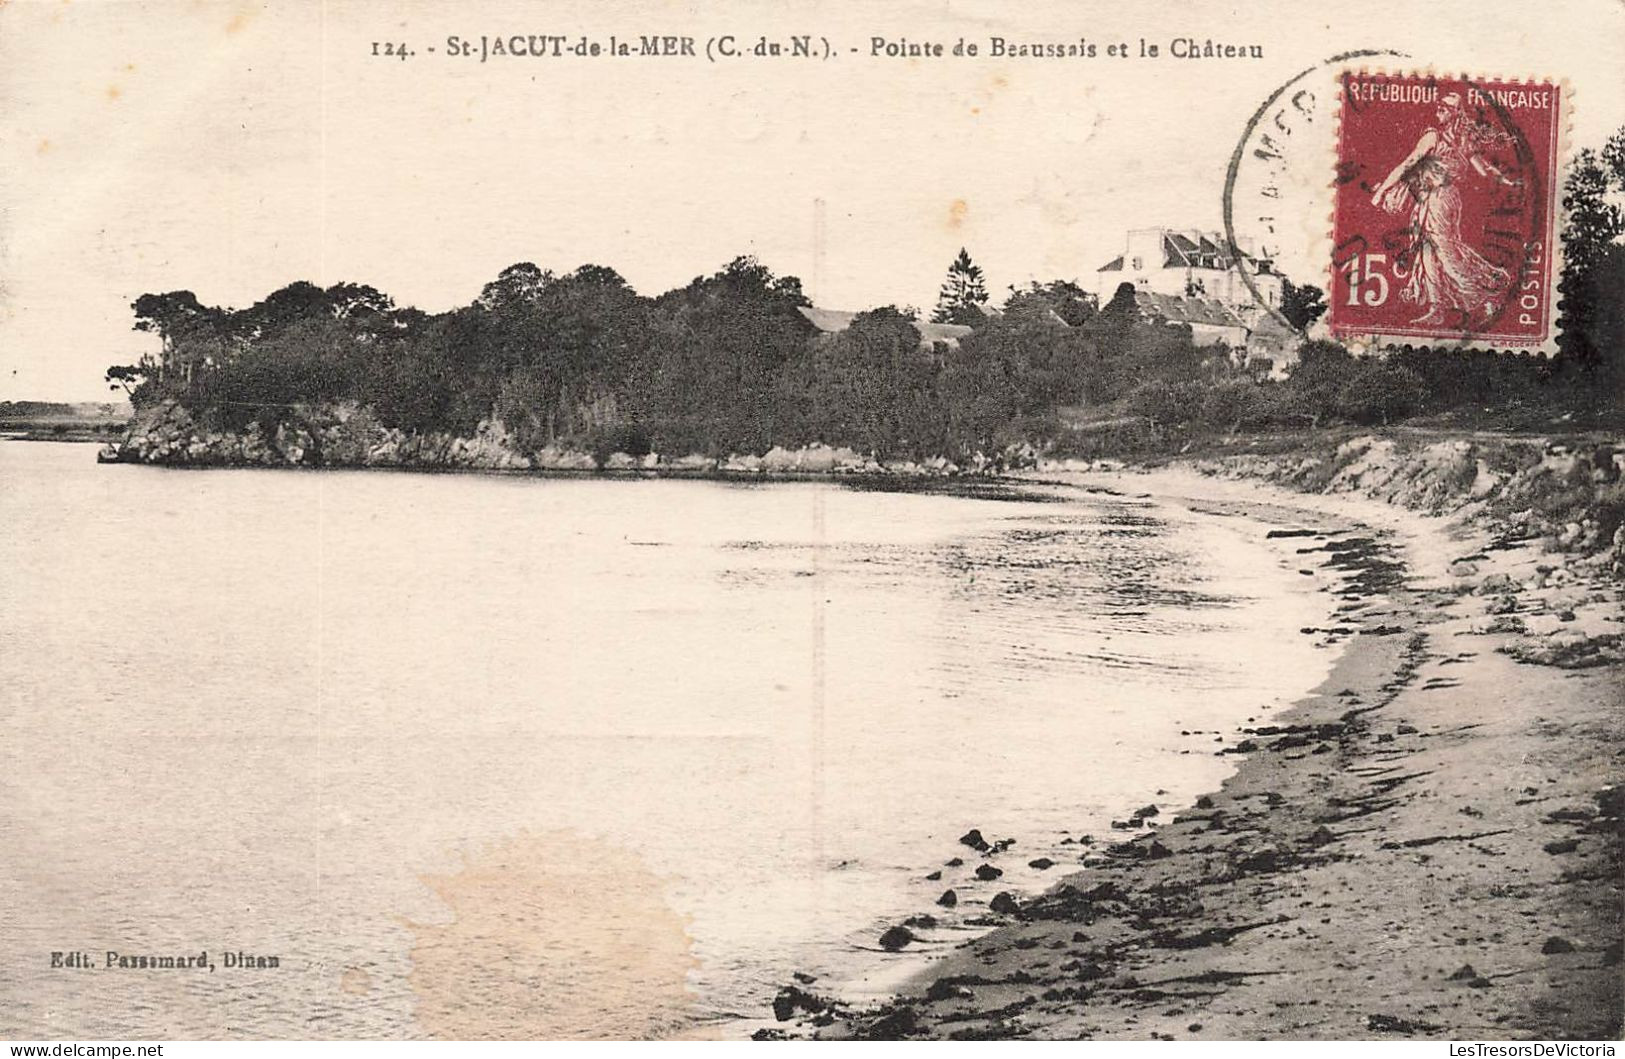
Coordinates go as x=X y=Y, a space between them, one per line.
x=230 y=148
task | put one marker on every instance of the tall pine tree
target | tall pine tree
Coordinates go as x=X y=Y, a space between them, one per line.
x=963 y=294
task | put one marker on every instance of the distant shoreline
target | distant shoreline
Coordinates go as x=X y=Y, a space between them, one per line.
x=81 y=421
x=75 y=437
x=81 y=433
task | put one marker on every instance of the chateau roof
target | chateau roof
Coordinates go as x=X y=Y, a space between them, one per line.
x=1270 y=333
x=949 y=333
x=1178 y=310
x=829 y=321
x=1195 y=249
x=834 y=321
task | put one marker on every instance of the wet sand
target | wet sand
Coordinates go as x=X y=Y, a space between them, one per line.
x=1429 y=846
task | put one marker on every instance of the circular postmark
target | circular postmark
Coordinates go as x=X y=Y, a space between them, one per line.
x=1422 y=201
x=1276 y=213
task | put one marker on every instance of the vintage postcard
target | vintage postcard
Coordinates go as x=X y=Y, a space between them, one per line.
x=816 y=520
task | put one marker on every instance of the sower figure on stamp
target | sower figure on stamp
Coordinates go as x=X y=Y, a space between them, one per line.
x=1451 y=279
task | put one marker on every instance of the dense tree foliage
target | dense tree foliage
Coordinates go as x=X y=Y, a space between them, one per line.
x=872 y=387
x=1301 y=305
x=729 y=362
x=1593 y=284
x=1070 y=302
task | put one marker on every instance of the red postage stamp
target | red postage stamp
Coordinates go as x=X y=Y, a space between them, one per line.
x=1445 y=211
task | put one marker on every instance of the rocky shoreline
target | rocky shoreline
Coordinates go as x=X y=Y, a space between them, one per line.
x=1548 y=489
x=349 y=436
x=1532 y=488
x=1428 y=847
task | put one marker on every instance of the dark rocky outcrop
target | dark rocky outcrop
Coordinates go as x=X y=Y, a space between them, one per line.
x=331 y=435
x=346 y=434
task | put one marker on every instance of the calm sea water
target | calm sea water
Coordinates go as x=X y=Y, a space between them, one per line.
x=479 y=755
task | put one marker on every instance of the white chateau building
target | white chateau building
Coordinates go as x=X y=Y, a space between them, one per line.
x=1185 y=263
x=1189 y=276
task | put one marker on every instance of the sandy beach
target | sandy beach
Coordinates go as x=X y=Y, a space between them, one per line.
x=1431 y=841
